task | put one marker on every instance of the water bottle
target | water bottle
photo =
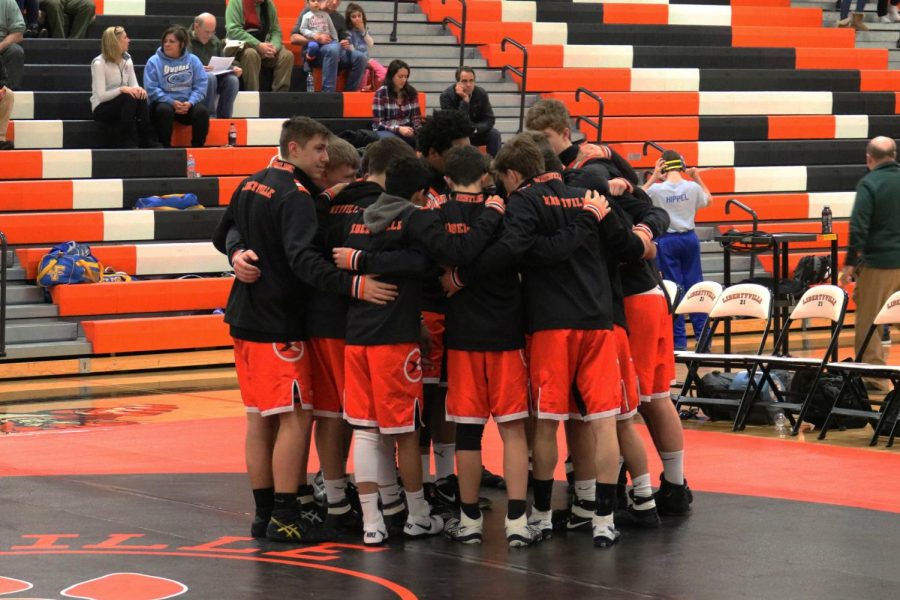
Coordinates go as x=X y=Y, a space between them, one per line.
x=232 y=135
x=781 y=425
x=826 y=220
x=191 y=167
x=310 y=83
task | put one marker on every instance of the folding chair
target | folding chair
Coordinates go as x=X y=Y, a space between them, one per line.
x=700 y=298
x=820 y=302
x=744 y=300
x=888 y=315
x=673 y=291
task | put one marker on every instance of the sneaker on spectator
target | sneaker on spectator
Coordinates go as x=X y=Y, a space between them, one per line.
x=885 y=19
x=7 y=145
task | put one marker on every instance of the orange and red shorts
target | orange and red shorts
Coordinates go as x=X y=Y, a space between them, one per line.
x=485 y=384
x=327 y=369
x=383 y=386
x=629 y=397
x=435 y=324
x=273 y=377
x=583 y=357
x=652 y=345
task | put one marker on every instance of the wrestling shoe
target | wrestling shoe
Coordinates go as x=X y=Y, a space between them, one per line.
x=491 y=480
x=342 y=517
x=642 y=511
x=417 y=527
x=605 y=532
x=375 y=535
x=543 y=522
x=464 y=529
x=395 y=515
x=520 y=534
x=259 y=526
x=673 y=500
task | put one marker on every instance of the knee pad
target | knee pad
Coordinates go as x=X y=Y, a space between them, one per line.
x=366 y=455
x=468 y=436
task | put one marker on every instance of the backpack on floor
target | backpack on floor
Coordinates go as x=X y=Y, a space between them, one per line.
x=813 y=269
x=69 y=262
x=828 y=389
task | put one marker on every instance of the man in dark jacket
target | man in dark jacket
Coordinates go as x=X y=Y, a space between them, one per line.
x=467 y=97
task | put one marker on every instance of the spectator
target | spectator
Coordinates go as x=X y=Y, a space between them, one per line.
x=116 y=97
x=30 y=12
x=338 y=57
x=679 y=248
x=467 y=97
x=7 y=100
x=12 y=27
x=255 y=23
x=362 y=41
x=873 y=255
x=858 y=17
x=68 y=18
x=318 y=29
x=395 y=106
x=176 y=86
x=221 y=89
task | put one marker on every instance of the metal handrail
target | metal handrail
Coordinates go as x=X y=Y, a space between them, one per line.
x=654 y=144
x=3 y=266
x=396 y=11
x=598 y=124
x=462 y=29
x=523 y=73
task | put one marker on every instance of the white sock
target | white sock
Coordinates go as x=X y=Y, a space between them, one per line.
x=444 y=460
x=586 y=490
x=426 y=467
x=673 y=466
x=335 y=490
x=642 y=487
x=415 y=501
x=371 y=514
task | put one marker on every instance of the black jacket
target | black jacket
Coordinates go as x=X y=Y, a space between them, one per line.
x=4 y=78
x=274 y=214
x=565 y=280
x=393 y=224
x=478 y=107
x=486 y=316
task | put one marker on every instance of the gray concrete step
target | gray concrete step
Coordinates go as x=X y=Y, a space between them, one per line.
x=436 y=87
x=407 y=51
x=435 y=40
x=47 y=349
x=405 y=29
x=24 y=294
x=372 y=6
x=39 y=330
x=15 y=273
x=31 y=311
x=449 y=63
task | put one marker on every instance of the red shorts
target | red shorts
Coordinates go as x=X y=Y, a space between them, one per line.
x=583 y=357
x=327 y=368
x=629 y=398
x=383 y=386
x=273 y=377
x=434 y=323
x=485 y=384
x=652 y=346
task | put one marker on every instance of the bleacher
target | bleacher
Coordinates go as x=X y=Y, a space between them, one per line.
x=775 y=107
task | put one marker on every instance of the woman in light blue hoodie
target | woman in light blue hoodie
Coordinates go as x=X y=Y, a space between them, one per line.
x=176 y=83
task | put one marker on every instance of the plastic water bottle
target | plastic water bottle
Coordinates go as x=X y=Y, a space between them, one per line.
x=191 y=167
x=826 y=220
x=232 y=135
x=310 y=82
x=781 y=425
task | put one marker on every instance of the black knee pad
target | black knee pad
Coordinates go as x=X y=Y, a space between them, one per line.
x=468 y=436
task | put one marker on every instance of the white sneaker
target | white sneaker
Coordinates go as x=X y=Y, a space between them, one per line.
x=893 y=13
x=465 y=529
x=543 y=522
x=885 y=19
x=375 y=535
x=519 y=533
x=605 y=532
x=417 y=527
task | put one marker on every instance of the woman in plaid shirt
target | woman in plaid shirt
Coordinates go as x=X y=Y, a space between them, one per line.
x=395 y=106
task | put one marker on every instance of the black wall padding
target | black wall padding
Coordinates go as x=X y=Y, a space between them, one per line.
x=733 y=128
x=648 y=35
x=799 y=152
x=829 y=178
x=704 y=57
x=864 y=103
x=733 y=80
x=186 y=224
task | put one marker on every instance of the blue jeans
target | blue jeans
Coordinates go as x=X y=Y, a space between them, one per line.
x=679 y=260
x=221 y=92
x=384 y=133
x=845 y=7
x=332 y=57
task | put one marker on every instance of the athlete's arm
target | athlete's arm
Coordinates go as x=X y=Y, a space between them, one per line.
x=426 y=227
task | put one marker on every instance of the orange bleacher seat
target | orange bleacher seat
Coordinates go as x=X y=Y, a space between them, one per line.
x=161 y=295
x=157 y=333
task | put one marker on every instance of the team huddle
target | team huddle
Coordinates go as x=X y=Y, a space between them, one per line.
x=439 y=290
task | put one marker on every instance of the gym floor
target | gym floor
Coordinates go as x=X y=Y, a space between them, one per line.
x=132 y=487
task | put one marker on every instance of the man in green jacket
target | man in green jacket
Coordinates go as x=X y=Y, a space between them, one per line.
x=255 y=23
x=873 y=255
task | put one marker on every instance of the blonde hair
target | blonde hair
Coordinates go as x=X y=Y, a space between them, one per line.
x=109 y=44
x=341 y=153
x=547 y=113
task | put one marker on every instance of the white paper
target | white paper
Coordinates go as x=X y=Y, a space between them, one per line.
x=220 y=64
